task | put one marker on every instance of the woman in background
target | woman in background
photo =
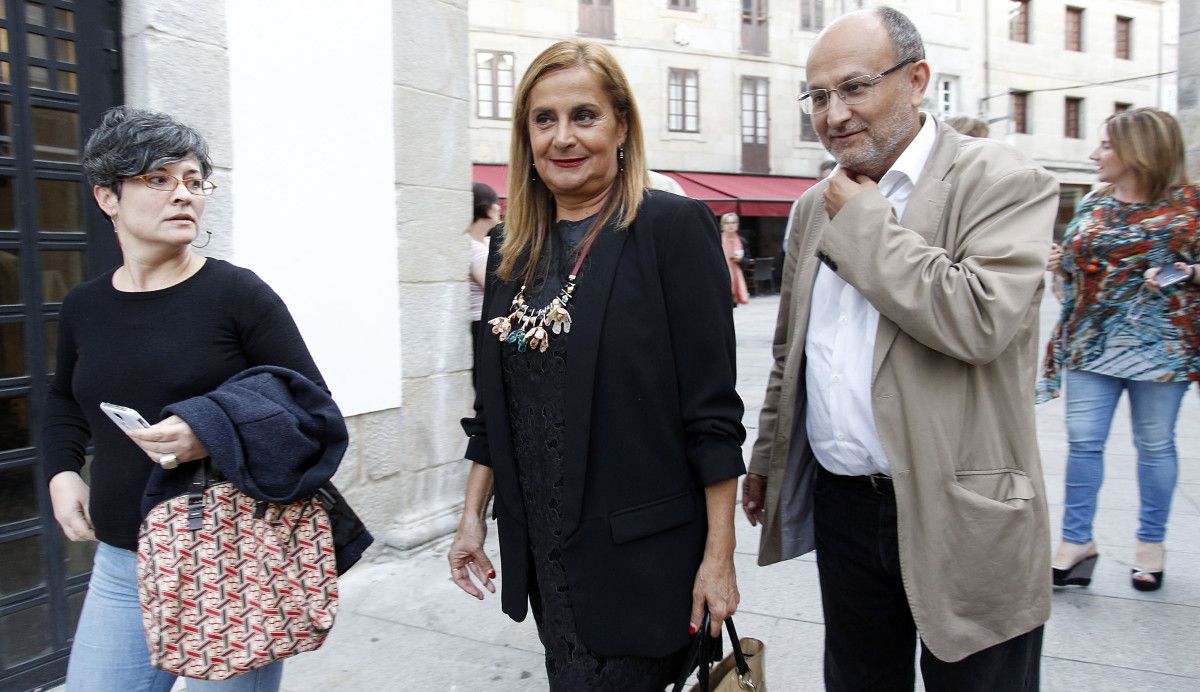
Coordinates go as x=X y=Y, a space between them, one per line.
x=1120 y=330
x=487 y=215
x=735 y=250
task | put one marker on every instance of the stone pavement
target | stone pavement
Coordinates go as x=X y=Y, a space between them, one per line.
x=404 y=626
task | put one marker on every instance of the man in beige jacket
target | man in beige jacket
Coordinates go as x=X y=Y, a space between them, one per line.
x=897 y=436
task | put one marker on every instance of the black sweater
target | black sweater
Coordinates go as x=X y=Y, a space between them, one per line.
x=147 y=350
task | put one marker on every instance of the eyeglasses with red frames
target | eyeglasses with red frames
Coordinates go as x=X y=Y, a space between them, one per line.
x=167 y=183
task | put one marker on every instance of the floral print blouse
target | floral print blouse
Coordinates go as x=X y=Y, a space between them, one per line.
x=1111 y=323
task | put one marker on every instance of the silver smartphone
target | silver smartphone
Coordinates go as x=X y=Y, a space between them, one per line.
x=126 y=418
x=1169 y=275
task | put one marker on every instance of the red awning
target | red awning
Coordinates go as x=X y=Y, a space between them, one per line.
x=719 y=202
x=757 y=195
x=748 y=195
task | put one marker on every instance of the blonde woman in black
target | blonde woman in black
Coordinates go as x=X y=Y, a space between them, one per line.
x=606 y=415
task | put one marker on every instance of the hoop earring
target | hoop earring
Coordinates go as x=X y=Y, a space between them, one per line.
x=206 y=241
x=620 y=159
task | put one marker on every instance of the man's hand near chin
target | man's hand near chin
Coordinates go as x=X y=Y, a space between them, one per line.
x=844 y=184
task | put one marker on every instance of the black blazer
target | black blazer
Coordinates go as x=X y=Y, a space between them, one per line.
x=652 y=417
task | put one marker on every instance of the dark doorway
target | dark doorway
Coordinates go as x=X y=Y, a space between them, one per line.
x=59 y=70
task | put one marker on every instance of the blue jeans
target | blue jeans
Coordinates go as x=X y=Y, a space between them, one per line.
x=110 y=650
x=1091 y=399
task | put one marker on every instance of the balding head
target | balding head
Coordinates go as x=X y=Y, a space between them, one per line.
x=901 y=33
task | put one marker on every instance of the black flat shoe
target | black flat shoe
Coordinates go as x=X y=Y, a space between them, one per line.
x=1147 y=581
x=1079 y=574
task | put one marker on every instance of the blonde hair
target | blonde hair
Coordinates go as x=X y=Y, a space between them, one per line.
x=531 y=207
x=1150 y=143
x=727 y=215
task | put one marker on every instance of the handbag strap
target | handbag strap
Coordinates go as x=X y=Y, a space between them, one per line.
x=704 y=673
x=745 y=677
x=700 y=656
x=195 y=496
x=697 y=651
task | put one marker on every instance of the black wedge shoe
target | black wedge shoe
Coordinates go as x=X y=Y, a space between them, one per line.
x=1079 y=574
x=1147 y=581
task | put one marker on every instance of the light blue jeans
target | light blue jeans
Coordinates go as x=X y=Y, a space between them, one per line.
x=1154 y=406
x=110 y=650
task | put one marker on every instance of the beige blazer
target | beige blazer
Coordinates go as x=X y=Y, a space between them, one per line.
x=957 y=283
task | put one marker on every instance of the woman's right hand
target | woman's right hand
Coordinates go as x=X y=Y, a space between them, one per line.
x=468 y=558
x=69 y=498
x=1054 y=264
x=1150 y=276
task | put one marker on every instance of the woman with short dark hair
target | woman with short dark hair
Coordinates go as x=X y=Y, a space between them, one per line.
x=487 y=215
x=166 y=325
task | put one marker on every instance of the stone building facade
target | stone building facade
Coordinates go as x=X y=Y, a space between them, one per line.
x=1189 y=82
x=1061 y=58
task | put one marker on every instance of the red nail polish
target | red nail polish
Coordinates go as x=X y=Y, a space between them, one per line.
x=492 y=574
x=691 y=629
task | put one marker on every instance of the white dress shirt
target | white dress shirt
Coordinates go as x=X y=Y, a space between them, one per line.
x=840 y=345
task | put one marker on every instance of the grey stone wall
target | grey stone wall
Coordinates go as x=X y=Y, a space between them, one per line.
x=433 y=203
x=1189 y=82
x=176 y=60
x=405 y=472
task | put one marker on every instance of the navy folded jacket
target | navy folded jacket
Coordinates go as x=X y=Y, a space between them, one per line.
x=272 y=432
x=278 y=437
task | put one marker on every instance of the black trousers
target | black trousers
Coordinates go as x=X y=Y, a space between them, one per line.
x=870 y=636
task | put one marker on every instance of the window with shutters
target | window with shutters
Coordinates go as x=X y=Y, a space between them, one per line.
x=755 y=125
x=812 y=15
x=1074 y=29
x=683 y=100
x=1124 y=50
x=1018 y=21
x=1019 y=107
x=808 y=133
x=596 y=18
x=1072 y=115
x=493 y=84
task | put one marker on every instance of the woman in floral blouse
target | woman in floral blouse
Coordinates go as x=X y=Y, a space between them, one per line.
x=1121 y=330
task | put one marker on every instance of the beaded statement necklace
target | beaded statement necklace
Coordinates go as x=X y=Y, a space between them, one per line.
x=527 y=327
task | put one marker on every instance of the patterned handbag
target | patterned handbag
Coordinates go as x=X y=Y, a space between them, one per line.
x=229 y=584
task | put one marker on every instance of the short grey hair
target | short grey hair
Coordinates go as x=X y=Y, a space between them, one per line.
x=132 y=141
x=906 y=40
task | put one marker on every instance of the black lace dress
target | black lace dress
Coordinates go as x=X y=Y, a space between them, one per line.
x=535 y=387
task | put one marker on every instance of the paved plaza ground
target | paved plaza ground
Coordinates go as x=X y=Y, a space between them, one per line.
x=404 y=626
